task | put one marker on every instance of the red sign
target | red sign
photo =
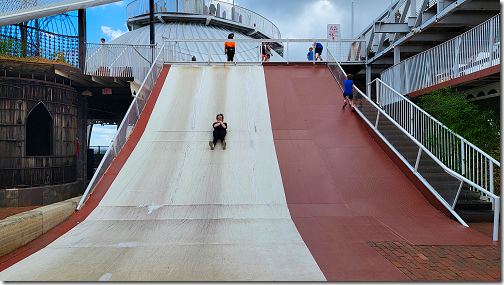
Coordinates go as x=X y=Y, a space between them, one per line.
x=107 y=91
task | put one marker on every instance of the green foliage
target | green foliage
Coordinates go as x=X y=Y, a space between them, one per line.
x=463 y=117
x=58 y=56
x=12 y=47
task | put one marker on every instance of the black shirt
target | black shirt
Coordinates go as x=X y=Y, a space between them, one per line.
x=219 y=127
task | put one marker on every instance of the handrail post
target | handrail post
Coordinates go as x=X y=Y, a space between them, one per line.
x=288 y=51
x=417 y=162
x=490 y=44
x=462 y=154
x=491 y=176
x=496 y=219
x=411 y=117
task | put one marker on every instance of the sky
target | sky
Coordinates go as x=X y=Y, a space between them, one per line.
x=298 y=19
x=294 y=18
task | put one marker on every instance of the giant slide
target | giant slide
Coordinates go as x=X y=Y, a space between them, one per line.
x=178 y=210
x=301 y=193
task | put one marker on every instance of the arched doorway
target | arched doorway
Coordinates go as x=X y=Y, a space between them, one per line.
x=39 y=131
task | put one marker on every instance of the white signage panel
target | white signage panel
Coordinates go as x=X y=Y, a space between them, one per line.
x=333 y=32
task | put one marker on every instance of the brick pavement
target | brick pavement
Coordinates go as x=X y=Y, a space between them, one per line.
x=419 y=263
x=443 y=263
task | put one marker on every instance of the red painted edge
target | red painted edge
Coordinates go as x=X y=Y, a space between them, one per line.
x=37 y=244
x=468 y=77
x=406 y=170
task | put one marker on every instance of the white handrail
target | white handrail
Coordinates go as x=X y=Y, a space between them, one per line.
x=124 y=130
x=472 y=51
x=340 y=75
x=348 y=50
x=438 y=122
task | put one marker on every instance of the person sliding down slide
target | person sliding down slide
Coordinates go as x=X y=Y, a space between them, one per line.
x=219 y=132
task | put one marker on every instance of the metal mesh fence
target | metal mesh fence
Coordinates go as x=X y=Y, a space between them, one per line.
x=25 y=41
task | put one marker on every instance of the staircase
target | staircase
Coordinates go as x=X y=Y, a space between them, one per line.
x=469 y=206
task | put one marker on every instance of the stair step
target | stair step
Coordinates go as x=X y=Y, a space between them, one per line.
x=468 y=195
x=474 y=205
x=470 y=216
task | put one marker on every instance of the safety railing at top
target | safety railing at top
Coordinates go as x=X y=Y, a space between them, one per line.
x=119 y=60
x=127 y=125
x=434 y=147
x=250 y=50
x=472 y=51
x=217 y=9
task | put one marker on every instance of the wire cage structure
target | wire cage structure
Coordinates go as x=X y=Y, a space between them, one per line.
x=55 y=38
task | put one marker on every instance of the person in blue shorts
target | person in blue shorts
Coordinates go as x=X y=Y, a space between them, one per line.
x=348 y=92
x=310 y=54
x=318 y=50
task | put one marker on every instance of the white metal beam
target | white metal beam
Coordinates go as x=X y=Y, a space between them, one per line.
x=36 y=12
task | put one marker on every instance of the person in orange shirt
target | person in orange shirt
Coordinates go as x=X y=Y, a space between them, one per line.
x=229 y=48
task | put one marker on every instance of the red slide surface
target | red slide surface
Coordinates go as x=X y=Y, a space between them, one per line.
x=342 y=189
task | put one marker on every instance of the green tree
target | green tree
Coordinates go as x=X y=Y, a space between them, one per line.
x=480 y=127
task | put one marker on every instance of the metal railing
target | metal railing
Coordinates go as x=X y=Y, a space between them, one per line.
x=397 y=117
x=39 y=42
x=119 y=60
x=127 y=125
x=249 y=50
x=99 y=149
x=472 y=51
x=217 y=9
x=454 y=151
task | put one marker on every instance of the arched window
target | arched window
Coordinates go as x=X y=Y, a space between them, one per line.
x=39 y=131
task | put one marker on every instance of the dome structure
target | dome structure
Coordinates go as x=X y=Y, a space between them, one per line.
x=194 y=19
x=245 y=51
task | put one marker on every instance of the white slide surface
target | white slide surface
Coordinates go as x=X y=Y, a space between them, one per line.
x=179 y=211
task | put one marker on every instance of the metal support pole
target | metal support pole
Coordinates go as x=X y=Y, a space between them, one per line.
x=82 y=38
x=368 y=80
x=37 y=38
x=24 y=37
x=352 y=20
x=397 y=55
x=440 y=6
x=152 y=32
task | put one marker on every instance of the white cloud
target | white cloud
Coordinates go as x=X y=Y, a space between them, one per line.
x=111 y=33
x=308 y=20
x=102 y=135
